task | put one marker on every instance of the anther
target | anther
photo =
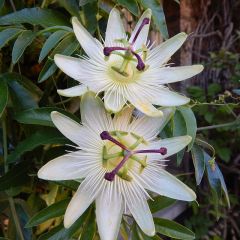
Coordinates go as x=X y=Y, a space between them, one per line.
x=108 y=50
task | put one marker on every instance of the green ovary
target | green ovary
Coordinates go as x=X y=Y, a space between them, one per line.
x=123 y=72
x=112 y=154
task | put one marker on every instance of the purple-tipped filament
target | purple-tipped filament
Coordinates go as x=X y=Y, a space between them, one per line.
x=127 y=154
x=140 y=66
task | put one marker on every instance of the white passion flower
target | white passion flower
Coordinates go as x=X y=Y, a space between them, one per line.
x=126 y=70
x=118 y=158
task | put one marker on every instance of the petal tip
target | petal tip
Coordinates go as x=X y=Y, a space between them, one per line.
x=43 y=173
x=150 y=231
x=54 y=114
x=199 y=68
x=67 y=223
x=74 y=20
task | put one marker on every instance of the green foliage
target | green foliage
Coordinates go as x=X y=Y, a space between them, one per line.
x=55 y=210
x=35 y=16
x=172 y=229
x=158 y=15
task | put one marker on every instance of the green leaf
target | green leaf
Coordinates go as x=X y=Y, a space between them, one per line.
x=16 y=176
x=68 y=184
x=90 y=12
x=89 y=229
x=1 y=6
x=173 y=229
x=66 y=47
x=84 y=2
x=223 y=184
x=215 y=178
x=137 y=234
x=131 y=5
x=55 y=210
x=198 y=162
x=51 y=42
x=213 y=89
x=191 y=123
x=42 y=137
x=61 y=233
x=41 y=116
x=159 y=203
x=3 y=95
x=35 y=16
x=22 y=98
x=179 y=129
x=7 y=35
x=22 y=42
x=158 y=15
x=71 y=6
x=23 y=216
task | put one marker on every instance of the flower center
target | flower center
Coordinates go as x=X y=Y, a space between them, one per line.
x=121 y=153
x=129 y=55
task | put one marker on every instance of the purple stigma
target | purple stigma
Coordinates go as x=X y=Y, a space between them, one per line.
x=108 y=50
x=140 y=66
x=163 y=150
x=144 y=22
x=109 y=176
x=106 y=136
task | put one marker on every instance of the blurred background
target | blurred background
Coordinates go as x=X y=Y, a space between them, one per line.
x=31 y=32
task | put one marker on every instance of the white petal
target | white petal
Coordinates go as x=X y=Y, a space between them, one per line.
x=162 y=53
x=137 y=204
x=150 y=127
x=173 y=145
x=93 y=113
x=70 y=65
x=85 y=195
x=165 y=184
x=91 y=46
x=167 y=98
x=109 y=209
x=144 y=106
x=113 y=101
x=142 y=37
x=73 y=165
x=123 y=118
x=73 y=91
x=82 y=136
x=115 y=29
x=171 y=74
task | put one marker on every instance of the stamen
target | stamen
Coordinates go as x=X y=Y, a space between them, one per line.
x=107 y=50
x=144 y=22
x=106 y=136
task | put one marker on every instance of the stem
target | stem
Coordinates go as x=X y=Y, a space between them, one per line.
x=15 y=218
x=13 y=5
x=43 y=3
x=218 y=126
x=5 y=148
x=10 y=199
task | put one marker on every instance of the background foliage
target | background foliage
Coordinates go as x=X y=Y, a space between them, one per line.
x=31 y=33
